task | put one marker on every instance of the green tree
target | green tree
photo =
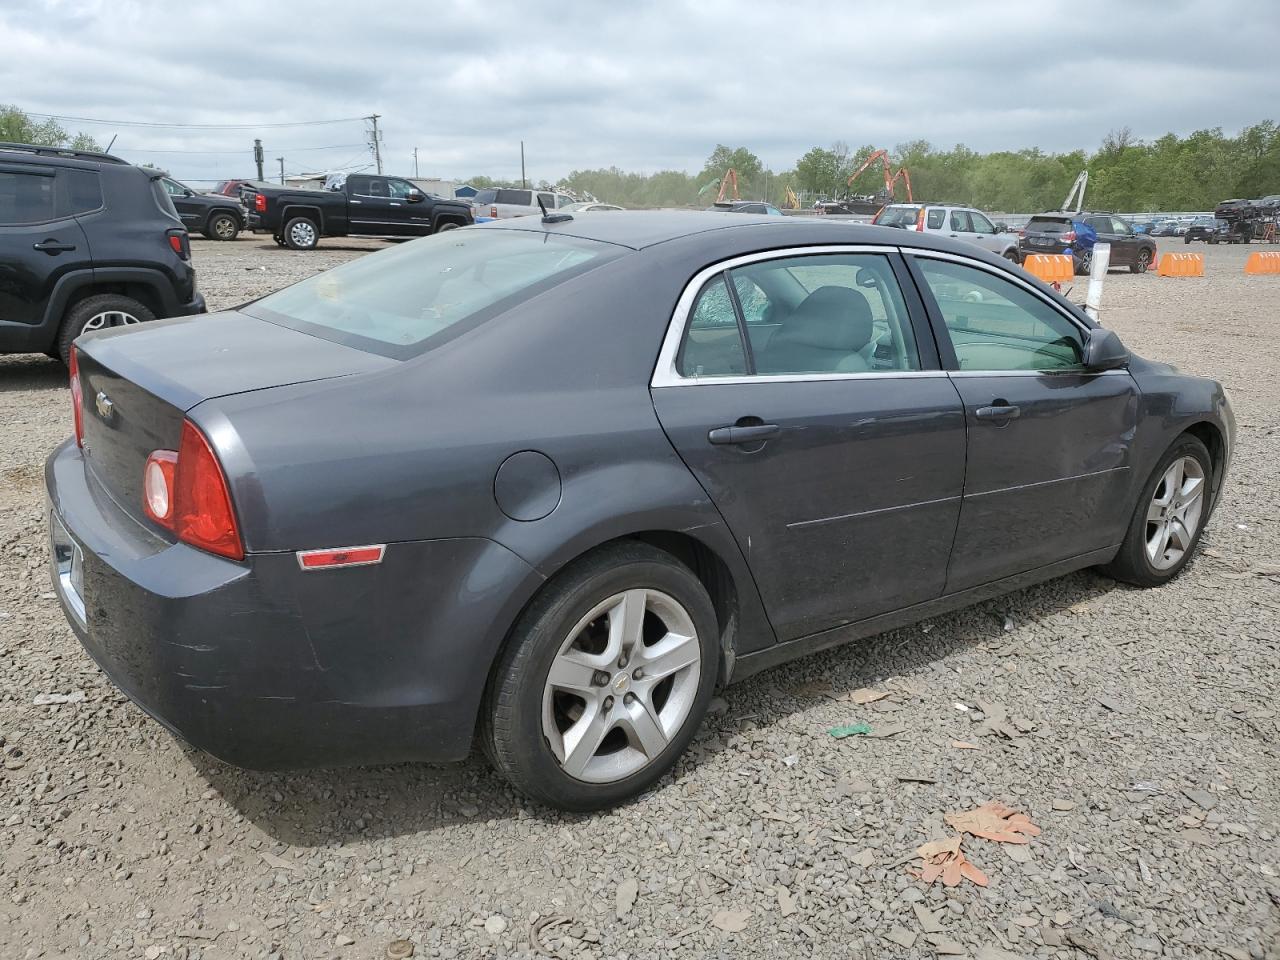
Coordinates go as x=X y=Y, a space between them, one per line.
x=17 y=127
x=723 y=159
x=819 y=171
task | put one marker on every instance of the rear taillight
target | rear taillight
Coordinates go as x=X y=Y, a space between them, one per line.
x=920 y=221
x=77 y=397
x=260 y=203
x=1069 y=237
x=493 y=212
x=186 y=492
x=180 y=243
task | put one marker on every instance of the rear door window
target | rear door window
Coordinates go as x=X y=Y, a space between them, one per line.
x=27 y=197
x=960 y=221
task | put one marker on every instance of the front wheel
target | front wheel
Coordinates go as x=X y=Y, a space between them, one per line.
x=1012 y=256
x=1141 y=262
x=604 y=680
x=1168 y=518
x=301 y=233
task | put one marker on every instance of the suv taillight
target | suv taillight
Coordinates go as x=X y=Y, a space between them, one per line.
x=493 y=212
x=920 y=221
x=77 y=396
x=260 y=203
x=1069 y=237
x=179 y=242
x=186 y=491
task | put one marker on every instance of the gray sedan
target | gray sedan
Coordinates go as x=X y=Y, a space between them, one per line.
x=549 y=484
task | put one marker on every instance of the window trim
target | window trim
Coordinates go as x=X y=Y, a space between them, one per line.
x=946 y=349
x=666 y=374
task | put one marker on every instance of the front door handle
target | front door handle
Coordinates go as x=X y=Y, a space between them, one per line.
x=1000 y=412
x=52 y=246
x=755 y=433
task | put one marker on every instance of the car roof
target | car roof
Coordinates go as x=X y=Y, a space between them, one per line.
x=639 y=229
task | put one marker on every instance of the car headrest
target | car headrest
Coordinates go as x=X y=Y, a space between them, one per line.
x=831 y=318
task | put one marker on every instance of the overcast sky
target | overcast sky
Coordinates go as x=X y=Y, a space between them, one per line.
x=644 y=86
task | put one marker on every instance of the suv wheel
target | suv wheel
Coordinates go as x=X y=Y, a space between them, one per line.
x=1012 y=255
x=604 y=681
x=1142 y=262
x=99 y=313
x=1084 y=262
x=222 y=226
x=301 y=233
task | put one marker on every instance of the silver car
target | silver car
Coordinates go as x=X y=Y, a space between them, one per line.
x=963 y=223
x=503 y=202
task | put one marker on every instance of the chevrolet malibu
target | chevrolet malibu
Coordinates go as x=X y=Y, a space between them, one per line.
x=548 y=485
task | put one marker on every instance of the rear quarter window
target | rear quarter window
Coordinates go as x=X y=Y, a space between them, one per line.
x=519 y=198
x=899 y=216
x=485 y=196
x=936 y=218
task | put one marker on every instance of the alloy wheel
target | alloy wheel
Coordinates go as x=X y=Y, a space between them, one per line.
x=621 y=686
x=224 y=228
x=303 y=233
x=1173 y=516
x=109 y=318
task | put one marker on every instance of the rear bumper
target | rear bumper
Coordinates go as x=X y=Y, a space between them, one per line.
x=269 y=667
x=194 y=306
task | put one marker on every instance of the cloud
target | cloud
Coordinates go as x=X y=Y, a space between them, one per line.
x=641 y=86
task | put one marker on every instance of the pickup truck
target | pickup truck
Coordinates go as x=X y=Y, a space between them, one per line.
x=355 y=205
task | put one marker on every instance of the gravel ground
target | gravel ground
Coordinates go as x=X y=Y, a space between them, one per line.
x=1142 y=737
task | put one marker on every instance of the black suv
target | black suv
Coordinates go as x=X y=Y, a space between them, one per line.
x=1060 y=232
x=86 y=241
x=216 y=216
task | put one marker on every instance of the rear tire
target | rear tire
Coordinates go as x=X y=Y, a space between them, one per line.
x=1142 y=262
x=222 y=226
x=301 y=233
x=446 y=226
x=619 y=729
x=1167 y=504
x=1084 y=263
x=99 y=313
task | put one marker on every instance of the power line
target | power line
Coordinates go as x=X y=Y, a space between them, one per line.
x=233 y=153
x=194 y=126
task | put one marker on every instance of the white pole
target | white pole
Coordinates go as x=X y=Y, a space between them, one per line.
x=1097 y=274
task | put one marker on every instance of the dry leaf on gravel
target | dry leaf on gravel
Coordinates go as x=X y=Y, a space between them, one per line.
x=943 y=859
x=731 y=921
x=994 y=821
x=865 y=695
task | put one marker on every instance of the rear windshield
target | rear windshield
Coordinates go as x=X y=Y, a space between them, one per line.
x=899 y=216
x=1048 y=225
x=400 y=302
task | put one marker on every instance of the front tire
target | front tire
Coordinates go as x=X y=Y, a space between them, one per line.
x=1012 y=256
x=604 y=681
x=222 y=226
x=301 y=233
x=1169 y=517
x=99 y=313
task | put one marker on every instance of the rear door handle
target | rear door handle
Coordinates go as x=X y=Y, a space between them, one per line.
x=53 y=246
x=999 y=412
x=751 y=434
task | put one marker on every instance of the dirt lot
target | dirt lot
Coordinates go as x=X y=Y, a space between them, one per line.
x=1144 y=742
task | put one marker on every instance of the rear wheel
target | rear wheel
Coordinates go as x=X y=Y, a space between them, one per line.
x=446 y=226
x=222 y=226
x=1142 y=261
x=301 y=233
x=604 y=681
x=99 y=313
x=1168 y=518
x=1084 y=262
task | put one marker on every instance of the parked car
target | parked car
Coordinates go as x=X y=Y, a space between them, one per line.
x=421 y=523
x=355 y=205
x=215 y=216
x=87 y=241
x=1165 y=228
x=746 y=206
x=962 y=223
x=504 y=202
x=1208 y=229
x=588 y=206
x=239 y=188
x=1058 y=232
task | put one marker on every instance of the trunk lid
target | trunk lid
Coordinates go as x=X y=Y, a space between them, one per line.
x=139 y=382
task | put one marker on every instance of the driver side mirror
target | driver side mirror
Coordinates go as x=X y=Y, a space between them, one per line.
x=1001 y=227
x=1104 y=351
x=415 y=196
x=188 y=192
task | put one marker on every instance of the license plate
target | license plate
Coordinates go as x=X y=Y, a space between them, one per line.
x=68 y=567
x=1043 y=243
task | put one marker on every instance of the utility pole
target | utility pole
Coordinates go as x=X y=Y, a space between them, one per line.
x=377 y=147
x=281 y=159
x=257 y=157
x=523 y=182
x=415 y=161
